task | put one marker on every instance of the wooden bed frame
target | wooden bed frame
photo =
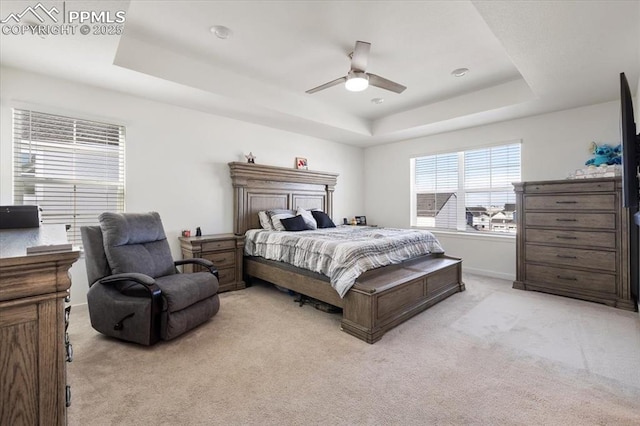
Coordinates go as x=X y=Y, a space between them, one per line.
x=381 y=298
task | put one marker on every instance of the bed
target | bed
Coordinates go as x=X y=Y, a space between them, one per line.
x=380 y=298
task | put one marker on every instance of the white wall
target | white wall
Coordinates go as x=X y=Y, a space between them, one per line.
x=552 y=145
x=176 y=159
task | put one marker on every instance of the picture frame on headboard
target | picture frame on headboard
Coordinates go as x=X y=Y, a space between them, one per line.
x=301 y=163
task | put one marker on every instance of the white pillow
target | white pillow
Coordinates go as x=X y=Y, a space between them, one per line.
x=277 y=217
x=265 y=221
x=308 y=218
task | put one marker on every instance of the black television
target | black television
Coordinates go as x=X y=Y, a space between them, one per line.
x=630 y=148
x=631 y=182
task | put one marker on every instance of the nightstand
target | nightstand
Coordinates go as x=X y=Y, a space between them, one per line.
x=224 y=250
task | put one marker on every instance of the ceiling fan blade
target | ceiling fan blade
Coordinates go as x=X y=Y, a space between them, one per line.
x=360 y=56
x=383 y=83
x=327 y=85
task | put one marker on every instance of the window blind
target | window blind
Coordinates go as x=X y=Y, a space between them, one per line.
x=73 y=169
x=436 y=189
x=489 y=197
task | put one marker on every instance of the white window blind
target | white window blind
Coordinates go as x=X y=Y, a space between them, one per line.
x=436 y=188
x=72 y=168
x=468 y=190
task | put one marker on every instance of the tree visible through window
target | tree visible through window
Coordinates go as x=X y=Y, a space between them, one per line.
x=73 y=169
x=466 y=191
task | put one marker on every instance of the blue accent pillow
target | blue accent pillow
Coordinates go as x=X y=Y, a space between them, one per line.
x=323 y=219
x=295 y=223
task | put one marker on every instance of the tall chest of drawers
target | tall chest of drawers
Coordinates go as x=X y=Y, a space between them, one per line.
x=573 y=240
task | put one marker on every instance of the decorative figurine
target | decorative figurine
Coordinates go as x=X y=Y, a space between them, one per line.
x=251 y=158
x=198 y=232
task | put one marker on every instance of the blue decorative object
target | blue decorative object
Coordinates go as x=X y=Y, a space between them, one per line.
x=604 y=155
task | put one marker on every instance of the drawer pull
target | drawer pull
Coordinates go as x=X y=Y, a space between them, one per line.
x=567 y=278
x=566 y=257
x=562 y=237
x=566 y=202
x=566 y=220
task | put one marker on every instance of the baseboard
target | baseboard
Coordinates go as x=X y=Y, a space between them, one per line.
x=488 y=273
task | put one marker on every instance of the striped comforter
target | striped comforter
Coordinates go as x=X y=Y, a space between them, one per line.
x=341 y=253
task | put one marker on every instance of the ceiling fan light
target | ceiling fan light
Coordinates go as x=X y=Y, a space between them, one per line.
x=356 y=82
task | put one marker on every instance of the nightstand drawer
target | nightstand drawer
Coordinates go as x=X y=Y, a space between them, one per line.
x=573 y=257
x=571 y=279
x=226 y=276
x=570 y=202
x=572 y=220
x=218 y=245
x=222 y=259
x=571 y=238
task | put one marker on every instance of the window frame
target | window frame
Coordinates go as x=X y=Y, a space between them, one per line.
x=83 y=146
x=461 y=192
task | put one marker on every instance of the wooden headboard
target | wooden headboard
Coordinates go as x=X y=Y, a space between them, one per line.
x=257 y=187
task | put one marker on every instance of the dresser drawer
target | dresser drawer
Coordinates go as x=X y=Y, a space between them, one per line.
x=572 y=220
x=571 y=279
x=571 y=238
x=221 y=259
x=570 y=202
x=218 y=245
x=573 y=257
x=572 y=187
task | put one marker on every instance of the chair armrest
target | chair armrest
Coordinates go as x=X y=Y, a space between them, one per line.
x=148 y=282
x=199 y=261
x=143 y=279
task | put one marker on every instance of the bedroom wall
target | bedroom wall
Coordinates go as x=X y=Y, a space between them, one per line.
x=552 y=145
x=176 y=158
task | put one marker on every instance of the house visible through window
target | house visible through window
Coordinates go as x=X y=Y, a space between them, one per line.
x=72 y=168
x=466 y=191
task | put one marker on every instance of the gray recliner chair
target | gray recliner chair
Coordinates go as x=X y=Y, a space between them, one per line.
x=136 y=292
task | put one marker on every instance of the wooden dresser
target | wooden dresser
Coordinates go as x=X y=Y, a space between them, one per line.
x=573 y=240
x=224 y=250
x=32 y=327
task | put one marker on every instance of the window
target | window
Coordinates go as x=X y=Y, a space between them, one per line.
x=72 y=168
x=467 y=190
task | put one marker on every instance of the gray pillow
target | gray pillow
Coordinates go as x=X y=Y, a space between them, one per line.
x=265 y=221
x=309 y=220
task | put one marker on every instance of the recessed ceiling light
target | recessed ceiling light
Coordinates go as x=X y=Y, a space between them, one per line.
x=459 y=72
x=377 y=101
x=221 y=31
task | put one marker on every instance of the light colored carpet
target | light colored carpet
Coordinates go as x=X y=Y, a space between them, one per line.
x=489 y=355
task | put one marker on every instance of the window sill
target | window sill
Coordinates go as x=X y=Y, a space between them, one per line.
x=469 y=235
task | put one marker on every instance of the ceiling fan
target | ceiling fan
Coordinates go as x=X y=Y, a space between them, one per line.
x=358 y=79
